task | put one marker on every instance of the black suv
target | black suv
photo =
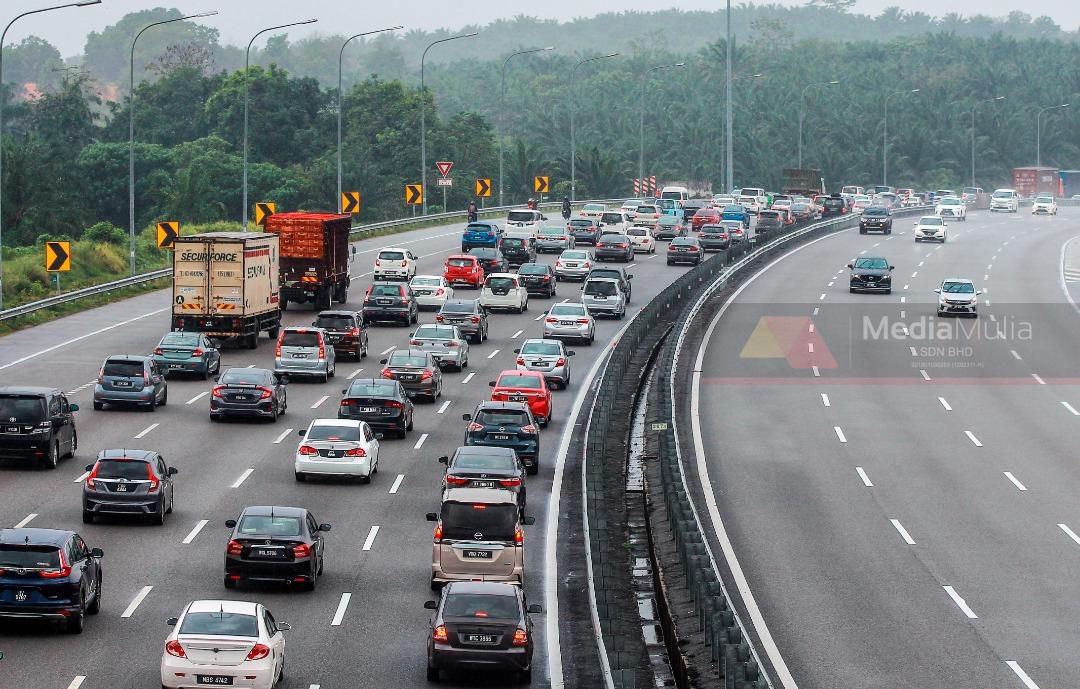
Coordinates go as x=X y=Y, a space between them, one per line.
x=506 y=424
x=834 y=205
x=869 y=274
x=347 y=332
x=876 y=218
x=382 y=403
x=769 y=221
x=518 y=250
x=128 y=482
x=49 y=574
x=391 y=301
x=37 y=424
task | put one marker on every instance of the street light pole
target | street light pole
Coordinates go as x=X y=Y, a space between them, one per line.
x=641 y=125
x=131 y=129
x=973 y=106
x=247 y=86
x=341 y=55
x=573 y=108
x=3 y=36
x=502 y=108
x=423 y=124
x=1038 y=137
x=729 y=116
x=802 y=108
x=728 y=173
x=885 y=137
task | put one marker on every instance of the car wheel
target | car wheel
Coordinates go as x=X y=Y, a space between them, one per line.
x=408 y=426
x=215 y=418
x=95 y=607
x=87 y=517
x=230 y=583
x=98 y=406
x=76 y=622
x=158 y=518
x=432 y=672
x=333 y=370
x=525 y=676
x=54 y=456
x=300 y=477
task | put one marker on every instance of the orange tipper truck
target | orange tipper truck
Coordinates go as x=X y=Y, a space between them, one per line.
x=315 y=257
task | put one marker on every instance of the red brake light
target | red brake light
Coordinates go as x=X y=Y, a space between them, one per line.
x=528 y=428
x=63 y=571
x=265 y=393
x=217 y=391
x=439 y=292
x=307 y=451
x=235 y=548
x=258 y=651
x=394 y=405
x=551 y=320
x=174 y=648
x=561 y=361
x=90 y=479
x=510 y=482
x=414 y=342
x=475 y=319
x=356 y=452
x=455 y=480
x=155 y=483
x=519 y=537
x=353 y=332
x=278 y=349
x=475 y=427
x=101 y=374
x=439 y=633
x=521 y=637
x=426 y=375
x=387 y=373
x=157 y=350
x=404 y=263
x=145 y=378
x=198 y=351
x=521 y=361
x=583 y=321
x=438 y=534
x=600 y=245
x=439 y=318
x=301 y=550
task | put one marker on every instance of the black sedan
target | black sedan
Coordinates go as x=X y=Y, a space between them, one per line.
x=685 y=250
x=481 y=625
x=248 y=392
x=492 y=259
x=876 y=218
x=416 y=370
x=614 y=247
x=347 y=332
x=538 y=278
x=870 y=274
x=275 y=544
x=584 y=230
x=476 y=466
x=130 y=483
x=382 y=403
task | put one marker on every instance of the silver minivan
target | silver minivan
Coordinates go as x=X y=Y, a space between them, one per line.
x=602 y=296
x=305 y=352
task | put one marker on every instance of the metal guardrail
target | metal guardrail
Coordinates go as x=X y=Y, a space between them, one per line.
x=355 y=233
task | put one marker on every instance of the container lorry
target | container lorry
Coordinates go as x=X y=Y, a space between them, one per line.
x=802 y=182
x=1028 y=181
x=315 y=257
x=225 y=284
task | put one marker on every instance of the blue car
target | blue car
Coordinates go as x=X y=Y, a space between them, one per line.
x=481 y=234
x=736 y=212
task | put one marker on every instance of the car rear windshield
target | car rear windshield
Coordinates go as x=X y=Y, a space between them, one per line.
x=23 y=408
x=600 y=288
x=533 y=269
x=485 y=229
x=131 y=469
x=328 y=432
x=551 y=348
x=502 y=417
x=520 y=382
x=513 y=243
x=29 y=556
x=220 y=624
x=465 y=459
x=376 y=388
x=126 y=369
x=407 y=360
x=567 y=310
x=459 y=307
x=705 y=211
x=768 y=215
x=335 y=322
x=464 y=520
x=241 y=376
x=646 y=209
x=581 y=224
x=482 y=252
x=520 y=216
x=575 y=255
x=426 y=282
x=834 y=203
x=461 y=262
x=501 y=283
x=611 y=218
x=713 y=229
x=482 y=606
x=733 y=209
x=295 y=338
x=615 y=238
x=266 y=525
x=386 y=290
x=434 y=332
x=391 y=256
x=188 y=339
x=682 y=241
x=549 y=231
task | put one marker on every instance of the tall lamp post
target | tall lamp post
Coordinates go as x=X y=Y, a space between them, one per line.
x=573 y=108
x=885 y=137
x=131 y=128
x=423 y=124
x=341 y=55
x=1038 y=136
x=729 y=113
x=247 y=88
x=3 y=36
x=802 y=110
x=975 y=105
x=641 y=123
x=502 y=109
x=727 y=172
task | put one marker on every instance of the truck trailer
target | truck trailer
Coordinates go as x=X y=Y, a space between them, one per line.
x=315 y=257
x=1028 y=181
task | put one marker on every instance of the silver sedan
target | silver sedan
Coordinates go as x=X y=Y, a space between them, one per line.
x=445 y=342
x=574 y=264
x=554 y=238
x=569 y=321
x=548 y=357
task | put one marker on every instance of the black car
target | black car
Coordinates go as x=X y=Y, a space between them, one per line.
x=475 y=466
x=870 y=274
x=538 y=278
x=346 y=330
x=275 y=544
x=685 y=250
x=584 y=230
x=614 y=247
x=833 y=206
x=769 y=222
x=391 y=301
x=481 y=625
x=875 y=218
x=417 y=371
x=49 y=574
x=491 y=259
x=714 y=238
x=248 y=392
x=382 y=403
x=37 y=424
x=618 y=274
x=518 y=250
x=468 y=315
x=128 y=482
x=505 y=424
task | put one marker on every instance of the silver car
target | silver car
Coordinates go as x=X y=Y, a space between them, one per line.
x=554 y=238
x=569 y=321
x=445 y=342
x=548 y=357
x=603 y=296
x=305 y=352
x=574 y=264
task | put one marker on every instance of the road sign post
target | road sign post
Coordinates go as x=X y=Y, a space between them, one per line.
x=57 y=257
x=444 y=167
x=263 y=210
x=350 y=202
x=414 y=194
x=167 y=232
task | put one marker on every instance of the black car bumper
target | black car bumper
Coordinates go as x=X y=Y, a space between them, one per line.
x=871 y=286
x=714 y=244
x=108 y=503
x=614 y=254
x=265 y=408
x=446 y=657
x=288 y=572
x=34 y=446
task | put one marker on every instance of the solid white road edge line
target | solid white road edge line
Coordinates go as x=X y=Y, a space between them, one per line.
x=1015 y=667
x=243 y=477
x=420 y=442
x=287 y=431
x=865 y=479
x=960 y=603
x=198 y=397
x=342 y=606
x=130 y=610
x=146 y=430
x=195 y=531
x=25 y=520
x=903 y=532
x=1070 y=533
x=1015 y=481
x=370 y=540
x=397 y=484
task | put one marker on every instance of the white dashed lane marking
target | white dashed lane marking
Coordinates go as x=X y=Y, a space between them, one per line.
x=960 y=603
x=370 y=540
x=77 y=682
x=82 y=477
x=903 y=532
x=198 y=397
x=944 y=403
x=1072 y=410
x=865 y=479
x=339 y=614
x=243 y=477
x=825 y=400
x=139 y=597
x=493 y=354
x=420 y=442
x=1070 y=533
x=925 y=375
x=354 y=374
x=1015 y=355
x=467 y=378
x=840 y=434
x=146 y=430
x=26 y=520
x=397 y=484
x=1038 y=379
x=517 y=334
x=442 y=409
x=1015 y=667
x=318 y=402
x=1014 y=480
x=284 y=434
x=973 y=439
x=195 y=531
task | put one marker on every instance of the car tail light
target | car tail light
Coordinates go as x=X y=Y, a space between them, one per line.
x=217 y=391
x=546 y=278
x=561 y=361
x=234 y=548
x=155 y=483
x=521 y=637
x=387 y=373
x=439 y=318
x=378 y=263
x=157 y=350
x=582 y=321
x=439 y=292
x=368 y=291
x=394 y=405
x=174 y=648
x=356 y=452
x=551 y=320
x=101 y=375
x=322 y=349
x=521 y=361
x=301 y=550
x=347 y=403
x=353 y=332
x=691 y=248
x=265 y=393
x=277 y=350
x=438 y=534
x=426 y=375
x=701 y=235
x=404 y=263
x=90 y=479
x=528 y=428
x=519 y=537
x=475 y=319
x=475 y=427
x=414 y=342
x=586 y=264
x=307 y=451
x=258 y=652
x=558 y=263
x=601 y=245
x=198 y=351
x=456 y=480
x=622 y=246
x=145 y=378
x=439 y=633
x=63 y=571
x=510 y=482
x=450 y=344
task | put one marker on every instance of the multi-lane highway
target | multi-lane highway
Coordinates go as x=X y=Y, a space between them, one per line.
x=365 y=623
x=902 y=501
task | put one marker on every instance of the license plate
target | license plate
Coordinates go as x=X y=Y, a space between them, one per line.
x=264 y=552
x=501 y=436
x=599 y=298
x=480 y=638
x=383 y=302
x=173 y=367
x=299 y=356
x=567 y=322
x=477 y=554
x=571 y=265
x=11 y=429
x=540 y=363
x=423 y=292
x=368 y=410
x=215 y=680
x=408 y=379
x=241 y=397
x=483 y=484
x=122 y=383
x=518 y=398
x=333 y=453
x=20 y=596
x=121 y=488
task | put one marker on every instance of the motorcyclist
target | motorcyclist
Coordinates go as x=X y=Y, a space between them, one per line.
x=472 y=211
x=566 y=207
x=532 y=204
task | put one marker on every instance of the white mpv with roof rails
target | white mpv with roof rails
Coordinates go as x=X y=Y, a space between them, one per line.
x=506 y=292
x=603 y=296
x=393 y=263
x=1005 y=200
x=305 y=352
x=528 y=221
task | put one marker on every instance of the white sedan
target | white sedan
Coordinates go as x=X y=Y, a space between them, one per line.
x=337 y=447
x=224 y=643
x=1044 y=204
x=951 y=207
x=930 y=228
x=642 y=239
x=593 y=210
x=431 y=291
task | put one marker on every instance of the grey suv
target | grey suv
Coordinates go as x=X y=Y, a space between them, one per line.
x=131 y=379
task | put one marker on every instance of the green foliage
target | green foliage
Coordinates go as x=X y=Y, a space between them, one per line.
x=106 y=233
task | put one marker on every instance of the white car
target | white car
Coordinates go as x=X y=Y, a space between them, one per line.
x=630 y=206
x=760 y=200
x=951 y=207
x=343 y=448
x=957 y=296
x=393 y=263
x=614 y=221
x=527 y=221
x=642 y=239
x=861 y=202
x=930 y=228
x=750 y=203
x=1044 y=204
x=431 y=291
x=1005 y=200
x=504 y=292
x=592 y=210
x=224 y=643
x=721 y=200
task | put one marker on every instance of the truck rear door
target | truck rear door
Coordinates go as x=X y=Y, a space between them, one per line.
x=226 y=269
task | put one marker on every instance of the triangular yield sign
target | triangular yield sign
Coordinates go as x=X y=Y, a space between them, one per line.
x=444 y=167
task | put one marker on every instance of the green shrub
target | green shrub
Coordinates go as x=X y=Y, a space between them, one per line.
x=106 y=233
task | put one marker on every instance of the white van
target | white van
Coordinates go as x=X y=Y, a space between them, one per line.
x=758 y=194
x=1005 y=200
x=677 y=193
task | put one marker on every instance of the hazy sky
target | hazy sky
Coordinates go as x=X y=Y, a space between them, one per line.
x=238 y=19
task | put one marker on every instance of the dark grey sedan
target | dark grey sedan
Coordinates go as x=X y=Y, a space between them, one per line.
x=248 y=392
x=614 y=247
x=416 y=370
x=477 y=466
x=468 y=315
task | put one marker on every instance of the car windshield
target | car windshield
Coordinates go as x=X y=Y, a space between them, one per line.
x=520 y=216
x=482 y=606
x=549 y=348
x=930 y=220
x=594 y=207
x=220 y=624
x=875 y=211
x=461 y=262
x=244 y=376
x=407 y=360
x=612 y=238
x=646 y=209
x=533 y=269
x=391 y=256
x=552 y=231
x=386 y=290
x=133 y=470
x=872 y=264
x=600 y=288
x=1044 y=199
x=267 y=525
x=958 y=288
x=335 y=322
x=372 y=388
x=483 y=521
x=575 y=256
x=181 y=339
x=568 y=310
x=501 y=283
x=296 y=338
x=434 y=332
x=125 y=369
x=581 y=224
x=23 y=408
x=502 y=417
x=611 y=218
x=488 y=229
x=950 y=201
x=29 y=556
x=335 y=432
x=1003 y=194
x=464 y=459
x=459 y=307
x=521 y=382
x=426 y=282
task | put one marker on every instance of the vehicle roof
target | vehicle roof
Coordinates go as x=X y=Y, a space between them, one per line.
x=487 y=588
x=336 y=422
x=340 y=313
x=276 y=510
x=515 y=372
x=486 y=450
x=234 y=606
x=491 y=496
x=36 y=536
x=120 y=453
x=27 y=390
x=541 y=340
x=132 y=357
x=392 y=248
x=412 y=351
x=509 y=406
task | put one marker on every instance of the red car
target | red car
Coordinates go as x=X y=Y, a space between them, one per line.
x=464 y=270
x=524 y=386
x=705 y=216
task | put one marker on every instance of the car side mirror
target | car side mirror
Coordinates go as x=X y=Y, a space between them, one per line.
x=977 y=293
x=534 y=609
x=324 y=527
x=851 y=265
x=431 y=605
x=284 y=627
x=517 y=351
x=344 y=391
x=97 y=552
x=466 y=417
x=379 y=436
x=431 y=517
x=443 y=460
x=937 y=291
x=172 y=621
x=230 y=523
x=528 y=521
x=302 y=432
x=173 y=471
x=382 y=361
x=73 y=407
x=89 y=467
x=314 y=323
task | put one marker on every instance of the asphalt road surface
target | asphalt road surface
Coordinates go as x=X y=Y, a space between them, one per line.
x=902 y=500
x=379 y=549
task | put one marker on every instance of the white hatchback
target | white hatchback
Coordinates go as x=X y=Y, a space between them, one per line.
x=504 y=292
x=344 y=448
x=930 y=228
x=393 y=263
x=431 y=291
x=1044 y=204
x=224 y=643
